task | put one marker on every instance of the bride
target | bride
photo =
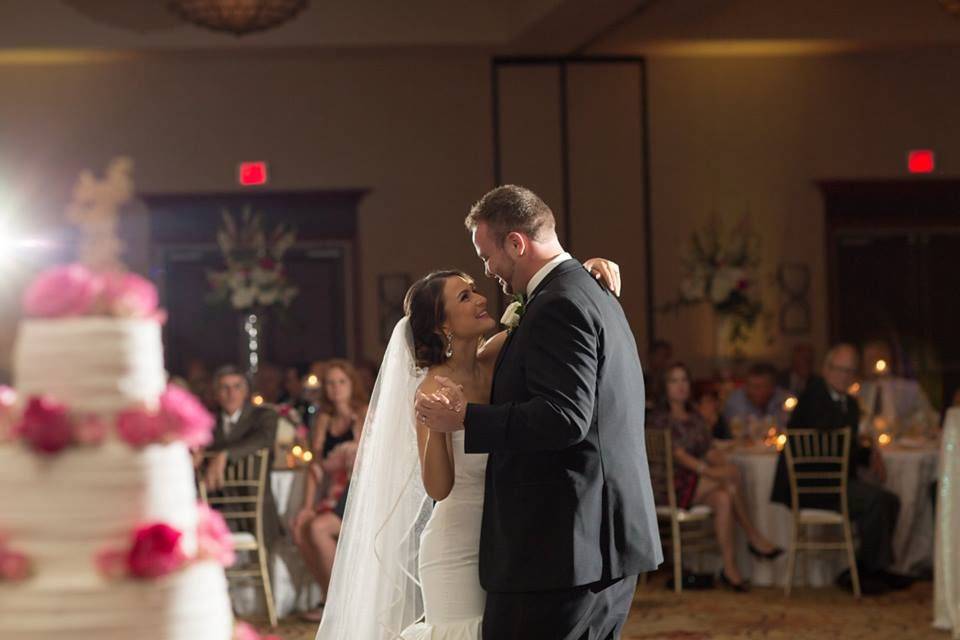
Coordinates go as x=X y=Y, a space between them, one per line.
x=404 y=569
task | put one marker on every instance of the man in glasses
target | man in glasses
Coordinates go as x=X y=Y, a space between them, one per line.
x=826 y=404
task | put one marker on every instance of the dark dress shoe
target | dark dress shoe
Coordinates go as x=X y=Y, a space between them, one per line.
x=773 y=554
x=895 y=581
x=739 y=587
x=870 y=585
x=694 y=581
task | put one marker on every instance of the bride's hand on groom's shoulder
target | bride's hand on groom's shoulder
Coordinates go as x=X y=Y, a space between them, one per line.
x=606 y=271
x=444 y=409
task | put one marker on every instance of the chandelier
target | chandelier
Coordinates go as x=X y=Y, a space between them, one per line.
x=239 y=17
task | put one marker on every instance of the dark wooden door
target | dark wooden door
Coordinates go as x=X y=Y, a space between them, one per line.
x=894 y=273
x=321 y=321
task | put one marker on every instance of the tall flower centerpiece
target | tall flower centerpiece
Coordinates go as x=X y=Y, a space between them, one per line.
x=720 y=266
x=254 y=280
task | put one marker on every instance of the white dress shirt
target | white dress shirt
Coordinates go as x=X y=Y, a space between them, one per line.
x=545 y=270
x=230 y=421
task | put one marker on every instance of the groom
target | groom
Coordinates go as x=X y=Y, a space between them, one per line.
x=568 y=518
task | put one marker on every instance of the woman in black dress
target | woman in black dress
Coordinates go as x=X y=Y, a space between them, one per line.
x=336 y=432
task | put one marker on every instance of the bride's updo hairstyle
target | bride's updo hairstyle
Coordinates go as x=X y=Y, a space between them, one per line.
x=424 y=306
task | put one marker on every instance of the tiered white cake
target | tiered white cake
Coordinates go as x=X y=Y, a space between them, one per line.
x=62 y=510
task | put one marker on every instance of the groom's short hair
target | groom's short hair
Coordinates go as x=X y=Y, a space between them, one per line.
x=510 y=208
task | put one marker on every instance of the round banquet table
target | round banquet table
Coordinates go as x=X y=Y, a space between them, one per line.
x=911 y=468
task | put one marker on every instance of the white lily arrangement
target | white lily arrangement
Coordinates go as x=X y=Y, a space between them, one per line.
x=719 y=268
x=255 y=275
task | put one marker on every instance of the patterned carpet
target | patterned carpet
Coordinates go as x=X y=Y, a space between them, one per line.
x=764 y=613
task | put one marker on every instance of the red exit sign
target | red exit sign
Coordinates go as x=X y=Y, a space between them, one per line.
x=921 y=161
x=250 y=174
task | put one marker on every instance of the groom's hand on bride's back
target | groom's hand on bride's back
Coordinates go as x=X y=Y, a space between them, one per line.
x=444 y=409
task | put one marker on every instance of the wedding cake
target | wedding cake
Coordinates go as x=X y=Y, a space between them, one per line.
x=101 y=535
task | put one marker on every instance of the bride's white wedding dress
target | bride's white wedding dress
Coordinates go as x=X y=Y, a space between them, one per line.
x=405 y=569
x=449 y=548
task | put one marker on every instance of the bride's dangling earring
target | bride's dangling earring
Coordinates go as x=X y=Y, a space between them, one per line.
x=449 y=351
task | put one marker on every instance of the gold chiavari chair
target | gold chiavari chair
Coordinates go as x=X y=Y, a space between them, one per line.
x=241 y=504
x=680 y=529
x=817 y=464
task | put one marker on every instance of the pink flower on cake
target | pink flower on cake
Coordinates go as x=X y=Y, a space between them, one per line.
x=156 y=551
x=45 y=425
x=130 y=295
x=90 y=429
x=186 y=419
x=13 y=565
x=69 y=290
x=213 y=537
x=139 y=427
x=243 y=631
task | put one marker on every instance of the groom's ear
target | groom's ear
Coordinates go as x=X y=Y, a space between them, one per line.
x=515 y=244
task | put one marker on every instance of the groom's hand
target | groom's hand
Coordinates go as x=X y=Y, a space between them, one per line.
x=443 y=410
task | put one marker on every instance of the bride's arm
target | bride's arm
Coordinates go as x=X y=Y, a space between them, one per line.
x=436 y=459
x=606 y=271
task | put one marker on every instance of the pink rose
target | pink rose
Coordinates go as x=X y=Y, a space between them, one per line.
x=185 y=417
x=45 y=425
x=138 y=427
x=213 y=537
x=13 y=566
x=90 y=429
x=69 y=290
x=130 y=295
x=244 y=631
x=156 y=551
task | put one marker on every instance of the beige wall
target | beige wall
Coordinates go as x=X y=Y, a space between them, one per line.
x=728 y=134
x=414 y=129
x=735 y=134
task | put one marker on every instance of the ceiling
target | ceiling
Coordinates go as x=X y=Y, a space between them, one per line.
x=702 y=27
x=548 y=26
x=530 y=27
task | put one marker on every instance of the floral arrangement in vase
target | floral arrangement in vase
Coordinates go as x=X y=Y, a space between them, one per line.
x=720 y=269
x=254 y=276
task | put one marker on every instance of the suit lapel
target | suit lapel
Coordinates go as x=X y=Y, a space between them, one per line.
x=564 y=267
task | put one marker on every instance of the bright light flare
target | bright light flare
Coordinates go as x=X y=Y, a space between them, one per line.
x=790 y=403
x=881 y=366
x=884 y=439
x=257 y=400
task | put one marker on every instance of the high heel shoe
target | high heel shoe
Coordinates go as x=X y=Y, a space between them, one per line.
x=739 y=587
x=773 y=554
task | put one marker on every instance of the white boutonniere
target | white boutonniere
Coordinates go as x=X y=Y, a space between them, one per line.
x=513 y=313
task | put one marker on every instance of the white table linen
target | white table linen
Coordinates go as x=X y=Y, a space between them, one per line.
x=946 y=573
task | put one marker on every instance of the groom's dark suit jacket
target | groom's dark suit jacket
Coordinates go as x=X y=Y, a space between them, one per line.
x=568 y=499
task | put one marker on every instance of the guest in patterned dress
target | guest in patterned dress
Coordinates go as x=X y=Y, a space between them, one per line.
x=703 y=475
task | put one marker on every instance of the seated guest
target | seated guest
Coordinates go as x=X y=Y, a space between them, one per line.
x=241 y=429
x=337 y=430
x=708 y=406
x=796 y=377
x=703 y=475
x=658 y=359
x=901 y=403
x=826 y=405
x=759 y=400
x=268 y=383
